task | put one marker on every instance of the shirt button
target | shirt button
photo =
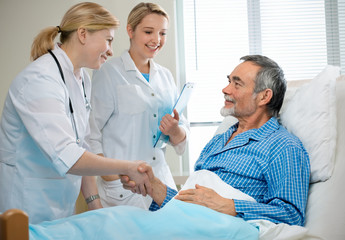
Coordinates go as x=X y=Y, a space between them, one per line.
x=154 y=115
x=154 y=158
x=154 y=136
x=152 y=94
x=121 y=196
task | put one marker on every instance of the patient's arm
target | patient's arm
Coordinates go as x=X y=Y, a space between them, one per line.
x=159 y=190
x=209 y=198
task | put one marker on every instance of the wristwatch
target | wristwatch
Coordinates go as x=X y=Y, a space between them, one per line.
x=91 y=198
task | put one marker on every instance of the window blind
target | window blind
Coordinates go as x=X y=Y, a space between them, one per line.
x=302 y=36
x=341 y=25
x=215 y=37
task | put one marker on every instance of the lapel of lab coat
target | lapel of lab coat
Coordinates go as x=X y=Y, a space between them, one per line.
x=132 y=70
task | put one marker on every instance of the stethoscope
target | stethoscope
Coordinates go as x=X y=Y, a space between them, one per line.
x=87 y=104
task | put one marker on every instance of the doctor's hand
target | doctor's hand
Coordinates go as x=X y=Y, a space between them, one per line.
x=169 y=126
x=209 y=198
x=139 y=174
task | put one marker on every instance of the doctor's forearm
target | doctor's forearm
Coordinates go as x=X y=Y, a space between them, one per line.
x=90 y=164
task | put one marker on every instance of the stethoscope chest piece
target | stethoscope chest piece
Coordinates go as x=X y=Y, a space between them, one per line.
x=88 y=105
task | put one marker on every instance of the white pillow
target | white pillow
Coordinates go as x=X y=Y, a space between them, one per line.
x=310 y=114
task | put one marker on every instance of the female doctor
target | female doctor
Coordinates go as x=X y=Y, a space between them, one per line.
x=44 y=123
x=133 y=98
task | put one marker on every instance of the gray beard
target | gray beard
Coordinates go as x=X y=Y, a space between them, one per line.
x=227 y=111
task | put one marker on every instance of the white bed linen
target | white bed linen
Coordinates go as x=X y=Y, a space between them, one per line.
x=209 y=179
x=268 y=230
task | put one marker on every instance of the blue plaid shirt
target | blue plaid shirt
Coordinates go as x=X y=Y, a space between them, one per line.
x=268 y=163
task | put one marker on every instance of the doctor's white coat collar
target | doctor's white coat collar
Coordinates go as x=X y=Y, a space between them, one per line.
x=129 y=65
x=67 y=63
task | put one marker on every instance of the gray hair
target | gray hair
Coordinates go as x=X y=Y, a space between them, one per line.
x=270 y=76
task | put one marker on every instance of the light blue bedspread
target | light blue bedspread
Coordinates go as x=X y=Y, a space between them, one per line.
x=177 y=220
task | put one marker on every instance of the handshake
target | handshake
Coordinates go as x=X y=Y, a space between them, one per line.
x=141 y=180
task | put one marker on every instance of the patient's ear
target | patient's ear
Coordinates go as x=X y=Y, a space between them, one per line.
x=265 y=96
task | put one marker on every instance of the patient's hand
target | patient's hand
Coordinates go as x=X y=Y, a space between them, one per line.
x=209 y=198
x=139 y=175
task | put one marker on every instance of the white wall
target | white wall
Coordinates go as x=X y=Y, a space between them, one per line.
x=21 y=21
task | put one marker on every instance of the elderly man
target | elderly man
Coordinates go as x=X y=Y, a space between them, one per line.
x=257 y=155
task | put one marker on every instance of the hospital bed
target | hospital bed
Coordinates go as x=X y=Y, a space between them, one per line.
x=325 y=213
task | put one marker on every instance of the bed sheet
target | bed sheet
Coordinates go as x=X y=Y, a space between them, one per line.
x=177 y=220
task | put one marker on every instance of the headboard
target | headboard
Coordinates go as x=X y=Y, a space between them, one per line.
x=14 y=225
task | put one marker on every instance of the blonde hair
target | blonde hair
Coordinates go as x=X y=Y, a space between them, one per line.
x=91 y=16
x=142 y=10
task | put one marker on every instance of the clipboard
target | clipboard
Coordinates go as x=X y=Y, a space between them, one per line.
x=181 y=103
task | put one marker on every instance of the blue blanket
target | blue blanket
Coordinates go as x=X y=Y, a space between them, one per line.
x=177 y=220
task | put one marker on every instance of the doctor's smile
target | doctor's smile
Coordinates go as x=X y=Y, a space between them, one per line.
x=153 y=47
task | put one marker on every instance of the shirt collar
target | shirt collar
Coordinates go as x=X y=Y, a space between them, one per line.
x=130 y=65
x=258 y=134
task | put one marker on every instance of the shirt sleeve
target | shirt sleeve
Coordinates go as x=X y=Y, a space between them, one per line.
x=170 y=194
x=288 y=184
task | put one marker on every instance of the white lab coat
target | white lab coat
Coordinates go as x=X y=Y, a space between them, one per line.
x=37 y=141
x=124 y=122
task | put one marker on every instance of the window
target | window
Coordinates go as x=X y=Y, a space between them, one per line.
x=302 y=36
